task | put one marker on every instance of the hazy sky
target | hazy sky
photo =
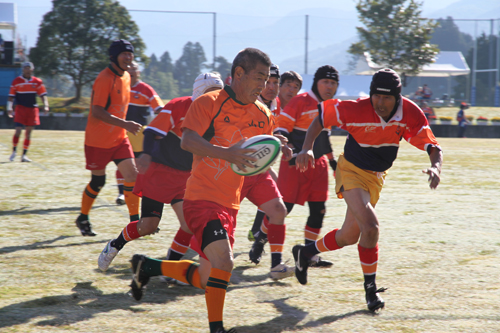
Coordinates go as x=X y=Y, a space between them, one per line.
x=162 y=32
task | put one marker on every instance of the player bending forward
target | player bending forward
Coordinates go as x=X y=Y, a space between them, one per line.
x=375 y=125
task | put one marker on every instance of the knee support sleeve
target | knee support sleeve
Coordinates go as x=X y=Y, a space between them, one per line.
x=151 y=208
x=97 y=182
x=317 y=212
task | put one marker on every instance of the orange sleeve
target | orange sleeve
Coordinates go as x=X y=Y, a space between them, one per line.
x=41 y=89
x=101 y=90
x=12 y=91
x=162 y=123
x=199 y=115
x=329 y=113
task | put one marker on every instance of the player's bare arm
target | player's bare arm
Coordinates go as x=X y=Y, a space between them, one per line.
x=45 y=104
x=10 y=103
x=103 y=115
x=306 y=155
x=143 y=162
x=434 y=172
x=285 y=149
x=194 y=143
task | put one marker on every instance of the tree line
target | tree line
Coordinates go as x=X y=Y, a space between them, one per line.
x=74 y=36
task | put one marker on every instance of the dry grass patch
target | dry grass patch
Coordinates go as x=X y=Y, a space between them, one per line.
x=439 y=254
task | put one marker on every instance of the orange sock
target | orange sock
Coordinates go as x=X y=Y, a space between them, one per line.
x=182 y=270
x=88 y=198
x=131 y=199
x=215 y=295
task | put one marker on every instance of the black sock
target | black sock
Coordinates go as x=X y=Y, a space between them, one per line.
x=259 y=217
x=120 y=188
x=119 y=243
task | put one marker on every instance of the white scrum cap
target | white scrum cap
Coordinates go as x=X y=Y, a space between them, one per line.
x=204 y=82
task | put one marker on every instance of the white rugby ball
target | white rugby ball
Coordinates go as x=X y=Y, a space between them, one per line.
x=267 y=148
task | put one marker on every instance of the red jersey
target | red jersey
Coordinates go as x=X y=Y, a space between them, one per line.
x=373 y=143
x=167 y=125
x=25 y=90
x=222 y=120
x=142 y=96
x=294 y=120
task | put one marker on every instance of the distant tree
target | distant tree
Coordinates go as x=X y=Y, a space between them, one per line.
x=189 y=66
x=448 y=37
x=163 y=83
x=74 y=38
x=166 y=63
x=152 y=66
x=395 y=35
x=223 y=67
x=160 y=76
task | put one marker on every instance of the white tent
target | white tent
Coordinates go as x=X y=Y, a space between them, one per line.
x=446 y=64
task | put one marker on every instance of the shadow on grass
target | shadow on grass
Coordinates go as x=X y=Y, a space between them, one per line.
x=47 y=245
x=22 y=211
x=290 y=317
x=85 y=302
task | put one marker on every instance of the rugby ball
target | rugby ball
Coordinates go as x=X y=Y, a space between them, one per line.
x=267 y=149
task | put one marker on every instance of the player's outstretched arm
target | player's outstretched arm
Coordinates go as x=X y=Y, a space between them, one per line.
x=194 y=143
x=434 y=172
x=306 y=155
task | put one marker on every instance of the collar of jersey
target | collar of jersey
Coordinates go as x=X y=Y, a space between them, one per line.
x=231 y=94
x=114 y=70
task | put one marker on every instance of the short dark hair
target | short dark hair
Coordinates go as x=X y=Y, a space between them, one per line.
x=248 y=59
x=291 y=76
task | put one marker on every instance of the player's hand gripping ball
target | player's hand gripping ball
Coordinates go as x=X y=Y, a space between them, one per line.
x=267 y=149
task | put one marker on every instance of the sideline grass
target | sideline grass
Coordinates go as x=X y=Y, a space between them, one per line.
x=439 y=254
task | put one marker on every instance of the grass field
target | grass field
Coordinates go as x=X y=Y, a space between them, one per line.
x=439 y=254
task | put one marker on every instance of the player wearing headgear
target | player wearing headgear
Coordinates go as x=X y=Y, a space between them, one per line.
x=23 y=91
x=290 y=84
x=376 y=125
x=164 y=168
x=142 y=98
x=105 y=134
x=310 y=186
x=214 y=129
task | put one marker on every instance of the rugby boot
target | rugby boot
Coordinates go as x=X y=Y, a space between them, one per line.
x=255 y=253
x=301 y=263
x=106 y=257
x=25 y=158
x=316 y=261
x=85 y=227
x=373 y=299
x=281 y=271
x=120 y=200
x=139 y=279
x=12 y=156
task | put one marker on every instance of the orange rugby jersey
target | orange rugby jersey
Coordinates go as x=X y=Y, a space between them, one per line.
x=167 y=124
x=142 y=96
x=372 y=143
x=25 y=90
x=294 y=120
x=223 y=121
x=112 y=92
